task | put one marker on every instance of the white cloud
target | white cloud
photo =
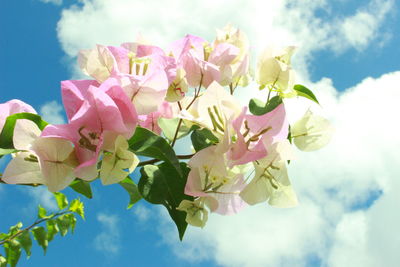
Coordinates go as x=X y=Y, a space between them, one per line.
x=108 y=240
x=142 y=213
x=54 y=2
x=52 y=112
x=43 y=197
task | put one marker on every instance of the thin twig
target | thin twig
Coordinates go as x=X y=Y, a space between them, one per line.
x=33 y=225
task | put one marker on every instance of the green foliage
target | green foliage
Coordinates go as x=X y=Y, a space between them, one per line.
x=76 y=206
x=62 y=201
x=82 y=187
x=258 y=107
x=26 y=242
x=18 y=238
x=40 y=235
x=6 y=136
x=162 y=184
x=148 y=144
x=305 y=92
x=133 y=191
x=202 y=138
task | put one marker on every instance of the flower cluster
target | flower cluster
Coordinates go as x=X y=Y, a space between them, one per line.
x=240 y=152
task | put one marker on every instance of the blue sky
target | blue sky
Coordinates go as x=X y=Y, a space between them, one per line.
x=35 y=56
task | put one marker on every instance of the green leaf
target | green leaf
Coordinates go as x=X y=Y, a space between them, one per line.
x=161 y=184
x=42 y=213
x=15 y=228
x=6 y=136
x=52 y=229
x=26 y=242
x=77 y=207
x=132 y=190
x=3 y=261
x=62 y=201
x=40 y=235
x=13 y=252
x=168 y=127
x=148 y=144
x=258 y=107
x=72 y=221
x=202 y=138
x=82 y=187
x=7 y=151
x=64 y=224
x=305 y=92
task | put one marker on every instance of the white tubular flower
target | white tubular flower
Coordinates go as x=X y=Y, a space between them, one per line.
x=311 y=132
x=196 y=212
x=118 y=164
x=274 y=71
x=178 y=88
x=271 y=182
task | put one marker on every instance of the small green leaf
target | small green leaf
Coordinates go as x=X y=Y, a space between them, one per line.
x=40 y=235
x=305 y=92
x=64 y=224
x=161 y=184
x=202 y=138
x=26 y=242
x=42 y=213
x=7 y=151
x=62 y=201
x=6 y=135
x=15 y=228
x=168 y=126
x=258 y=107
x=148 y=144
x=82 y=187
x=3 y=261
x=72 y=221
x=52 y=229
x=13 y=252
x=77 y=207
x=132 y=190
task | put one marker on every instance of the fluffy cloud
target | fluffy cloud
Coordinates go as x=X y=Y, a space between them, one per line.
x=52 y=112
x=108 y=239
x=43 y=197
x=339 y=221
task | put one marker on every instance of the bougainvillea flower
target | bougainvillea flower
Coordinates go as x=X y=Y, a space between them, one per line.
x=150 y=121
x=104 y=109
x=214 y=109
x=44 y=160
x=311 y=132
x=118 y=163
x=97 y=62
x=270 y=182
x=211 y=178
x=145 y=92
x=255 y=134
x=274 y=71
x=191 y=53
x=178 y=88
x=196 y=212
x=12 y=107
